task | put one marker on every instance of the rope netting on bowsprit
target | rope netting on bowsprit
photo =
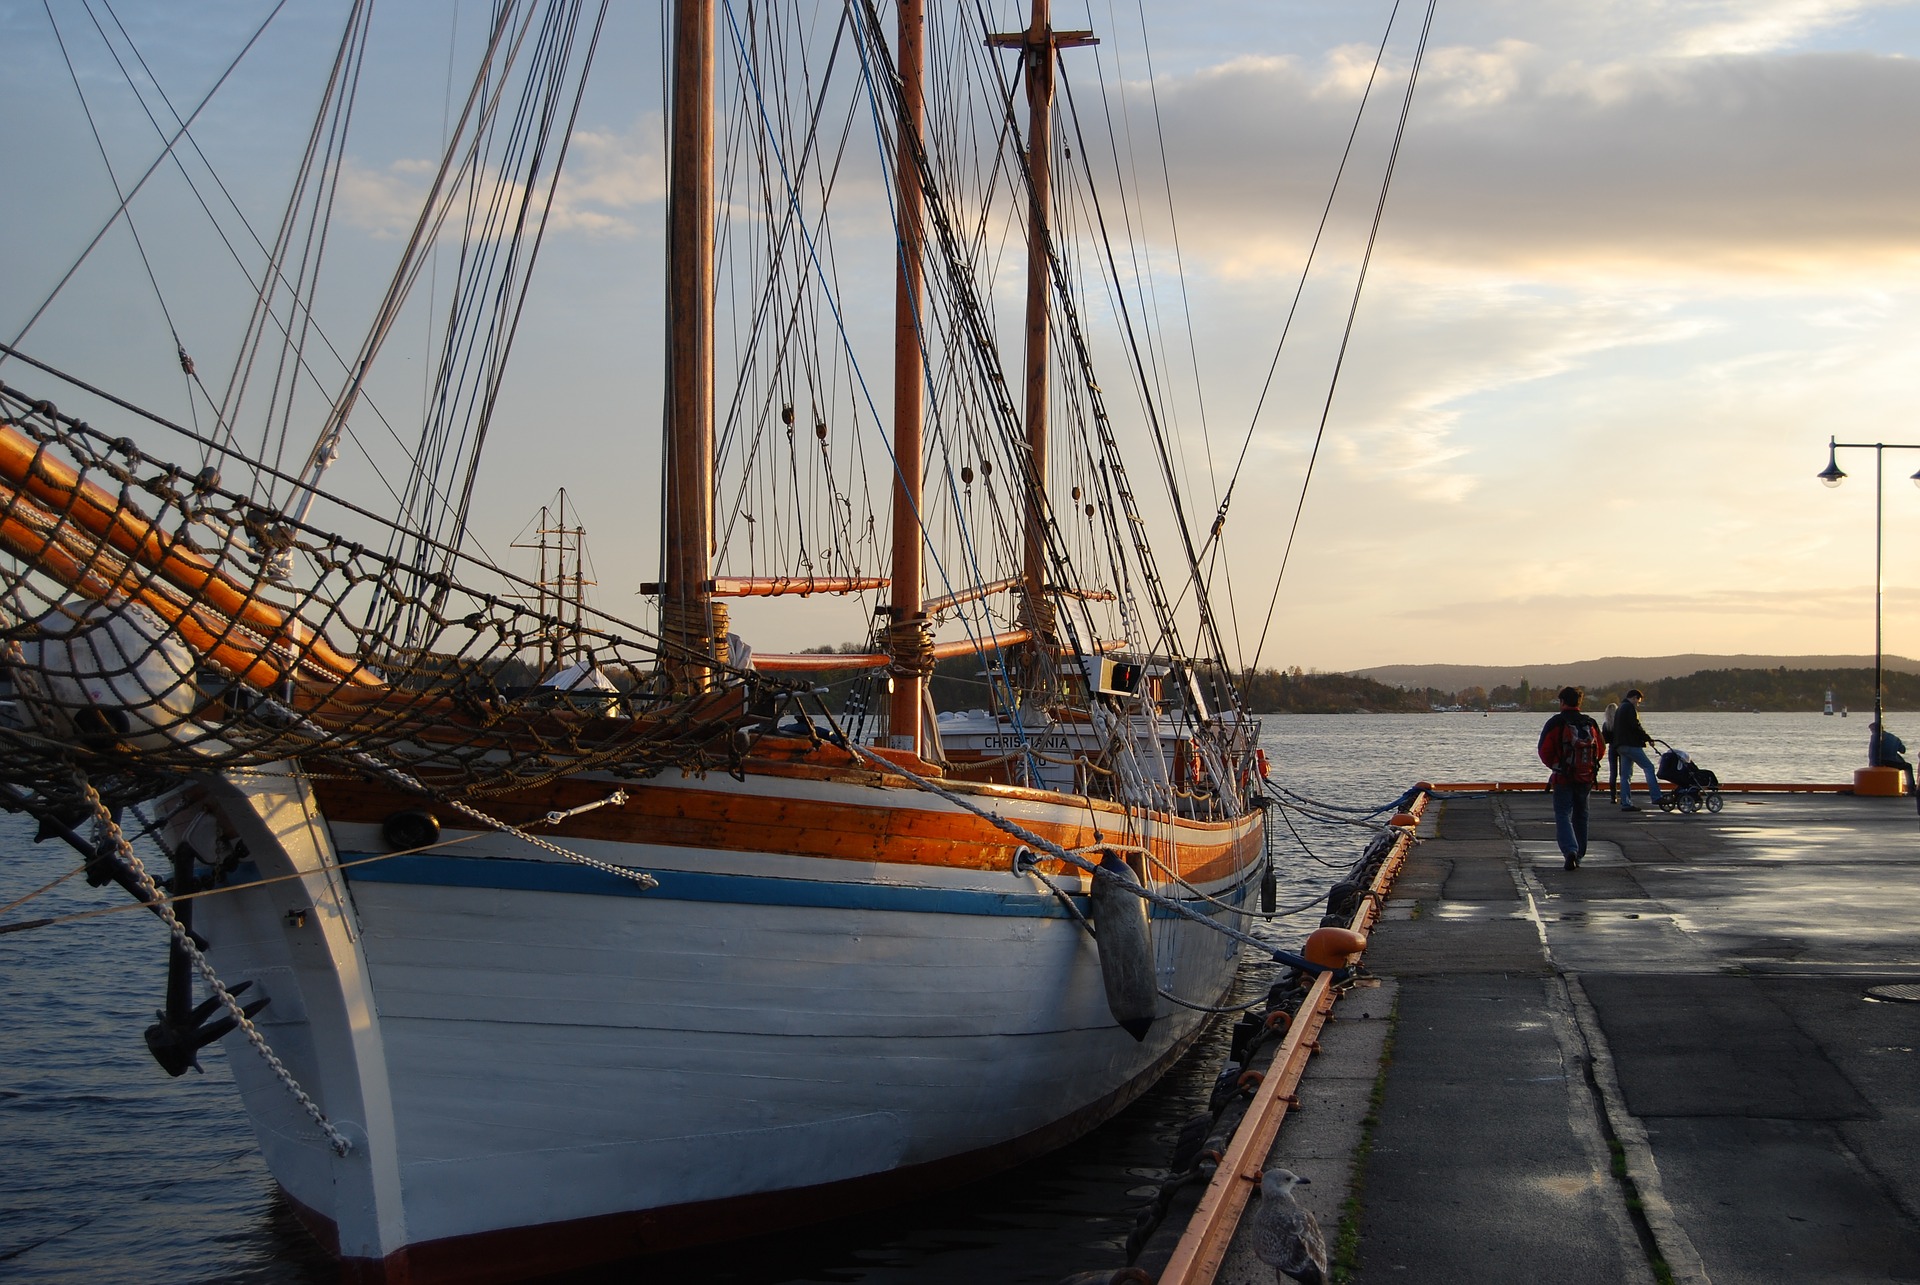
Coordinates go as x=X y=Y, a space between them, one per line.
x=155 y=624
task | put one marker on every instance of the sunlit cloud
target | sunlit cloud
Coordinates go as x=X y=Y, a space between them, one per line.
x=610 y=177
x=1761 y=26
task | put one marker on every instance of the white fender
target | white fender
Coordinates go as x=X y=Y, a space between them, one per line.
x=1126 y=951
x=109 y=669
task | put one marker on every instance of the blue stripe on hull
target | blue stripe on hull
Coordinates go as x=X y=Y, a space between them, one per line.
x=756 y=890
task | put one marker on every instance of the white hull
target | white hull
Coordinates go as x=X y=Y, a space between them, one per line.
x=513 y=1041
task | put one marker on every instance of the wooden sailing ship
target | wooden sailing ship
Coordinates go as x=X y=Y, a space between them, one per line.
x=553 y=974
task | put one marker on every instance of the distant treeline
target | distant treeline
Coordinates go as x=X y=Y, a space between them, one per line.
x=958 y=684
x=1294 y=691
x=1771 y=690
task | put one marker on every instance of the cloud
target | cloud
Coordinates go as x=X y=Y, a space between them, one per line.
x=385 y=202
x=1750 y=27
x=1518 y=161
x=610 y=177
x=1704 y=601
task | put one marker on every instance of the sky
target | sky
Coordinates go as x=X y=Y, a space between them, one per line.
x=1638 y=262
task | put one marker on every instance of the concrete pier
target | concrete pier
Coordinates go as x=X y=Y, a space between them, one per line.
x=1668 y=1064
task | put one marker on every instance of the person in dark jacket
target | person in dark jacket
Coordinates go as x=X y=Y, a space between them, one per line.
x=1884 y=749
x=1570 y=745
x=1630 y=741
x=1613 y=755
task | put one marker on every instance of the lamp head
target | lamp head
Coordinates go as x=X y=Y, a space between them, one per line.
x=1832 y=475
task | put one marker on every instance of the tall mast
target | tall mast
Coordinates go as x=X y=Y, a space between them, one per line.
x=686 y=600
x=561 y=587
x=909 y=635
x=1037 y=45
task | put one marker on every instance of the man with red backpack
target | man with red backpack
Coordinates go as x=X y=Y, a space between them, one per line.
x=1570 y=744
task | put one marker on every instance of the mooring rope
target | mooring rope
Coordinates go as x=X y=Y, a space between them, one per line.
x=174 y=899
x=1058 y=853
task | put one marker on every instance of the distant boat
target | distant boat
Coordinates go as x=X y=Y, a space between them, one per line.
x=1829 y=709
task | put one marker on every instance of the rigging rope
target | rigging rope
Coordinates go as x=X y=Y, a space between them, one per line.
x=148 y=173
x=1169 y=904
x=1313 y=250
x=1346 y=334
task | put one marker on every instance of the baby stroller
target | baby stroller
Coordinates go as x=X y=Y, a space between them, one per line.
x=1689 y=786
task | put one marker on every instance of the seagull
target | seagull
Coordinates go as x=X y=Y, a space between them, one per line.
x=1285 y=1236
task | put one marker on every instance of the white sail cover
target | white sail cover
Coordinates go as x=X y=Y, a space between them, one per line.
x=580 y=677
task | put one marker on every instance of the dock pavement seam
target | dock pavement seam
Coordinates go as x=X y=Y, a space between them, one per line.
x=1675 y=1246
x=1577 y=1026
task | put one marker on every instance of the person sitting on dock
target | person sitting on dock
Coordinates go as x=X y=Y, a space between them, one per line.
x=1884 y=749
x=1630 y=741
x=1570 y=745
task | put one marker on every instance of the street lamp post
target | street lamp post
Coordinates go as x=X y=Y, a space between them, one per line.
x=1833 y=476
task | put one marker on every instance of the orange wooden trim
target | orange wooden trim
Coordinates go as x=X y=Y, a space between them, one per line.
x=817 y=662
x=905 y=758
x=820 y=828
x=991 y=642
x=934 y=606
x=828 y=762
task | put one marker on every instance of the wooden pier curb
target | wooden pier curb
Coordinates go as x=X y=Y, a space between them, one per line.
x=1202 y=1248
x=1726 y=787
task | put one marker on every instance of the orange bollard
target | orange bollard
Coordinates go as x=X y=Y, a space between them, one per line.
x=1333 y=947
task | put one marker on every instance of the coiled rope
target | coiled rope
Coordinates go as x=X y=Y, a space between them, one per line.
x=910 y=644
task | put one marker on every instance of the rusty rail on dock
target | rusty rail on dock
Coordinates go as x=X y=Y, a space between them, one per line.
x=1196 y=1259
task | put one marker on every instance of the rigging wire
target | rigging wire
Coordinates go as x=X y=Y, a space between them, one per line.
x=1209 y=631
x=1326 y=211
x=1213 y=545
x=225 y=451
x=1346 y=334
x=106 y=161
x=273 y=276
x=146 y=174
x=496 y=375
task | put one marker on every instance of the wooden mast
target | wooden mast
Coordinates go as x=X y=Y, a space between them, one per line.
x=909 y=632
x=686 y=620
x=1037 y=45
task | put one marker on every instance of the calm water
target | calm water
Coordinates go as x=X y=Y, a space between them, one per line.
x=114 y=1173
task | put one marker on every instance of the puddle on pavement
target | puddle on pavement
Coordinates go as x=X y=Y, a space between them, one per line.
x=1481 y=911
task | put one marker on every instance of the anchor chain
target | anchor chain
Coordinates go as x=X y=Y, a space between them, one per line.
x=183 y=942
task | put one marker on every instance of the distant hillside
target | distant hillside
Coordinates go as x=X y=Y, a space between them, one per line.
x=1606 y=671
x=1276 y=691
